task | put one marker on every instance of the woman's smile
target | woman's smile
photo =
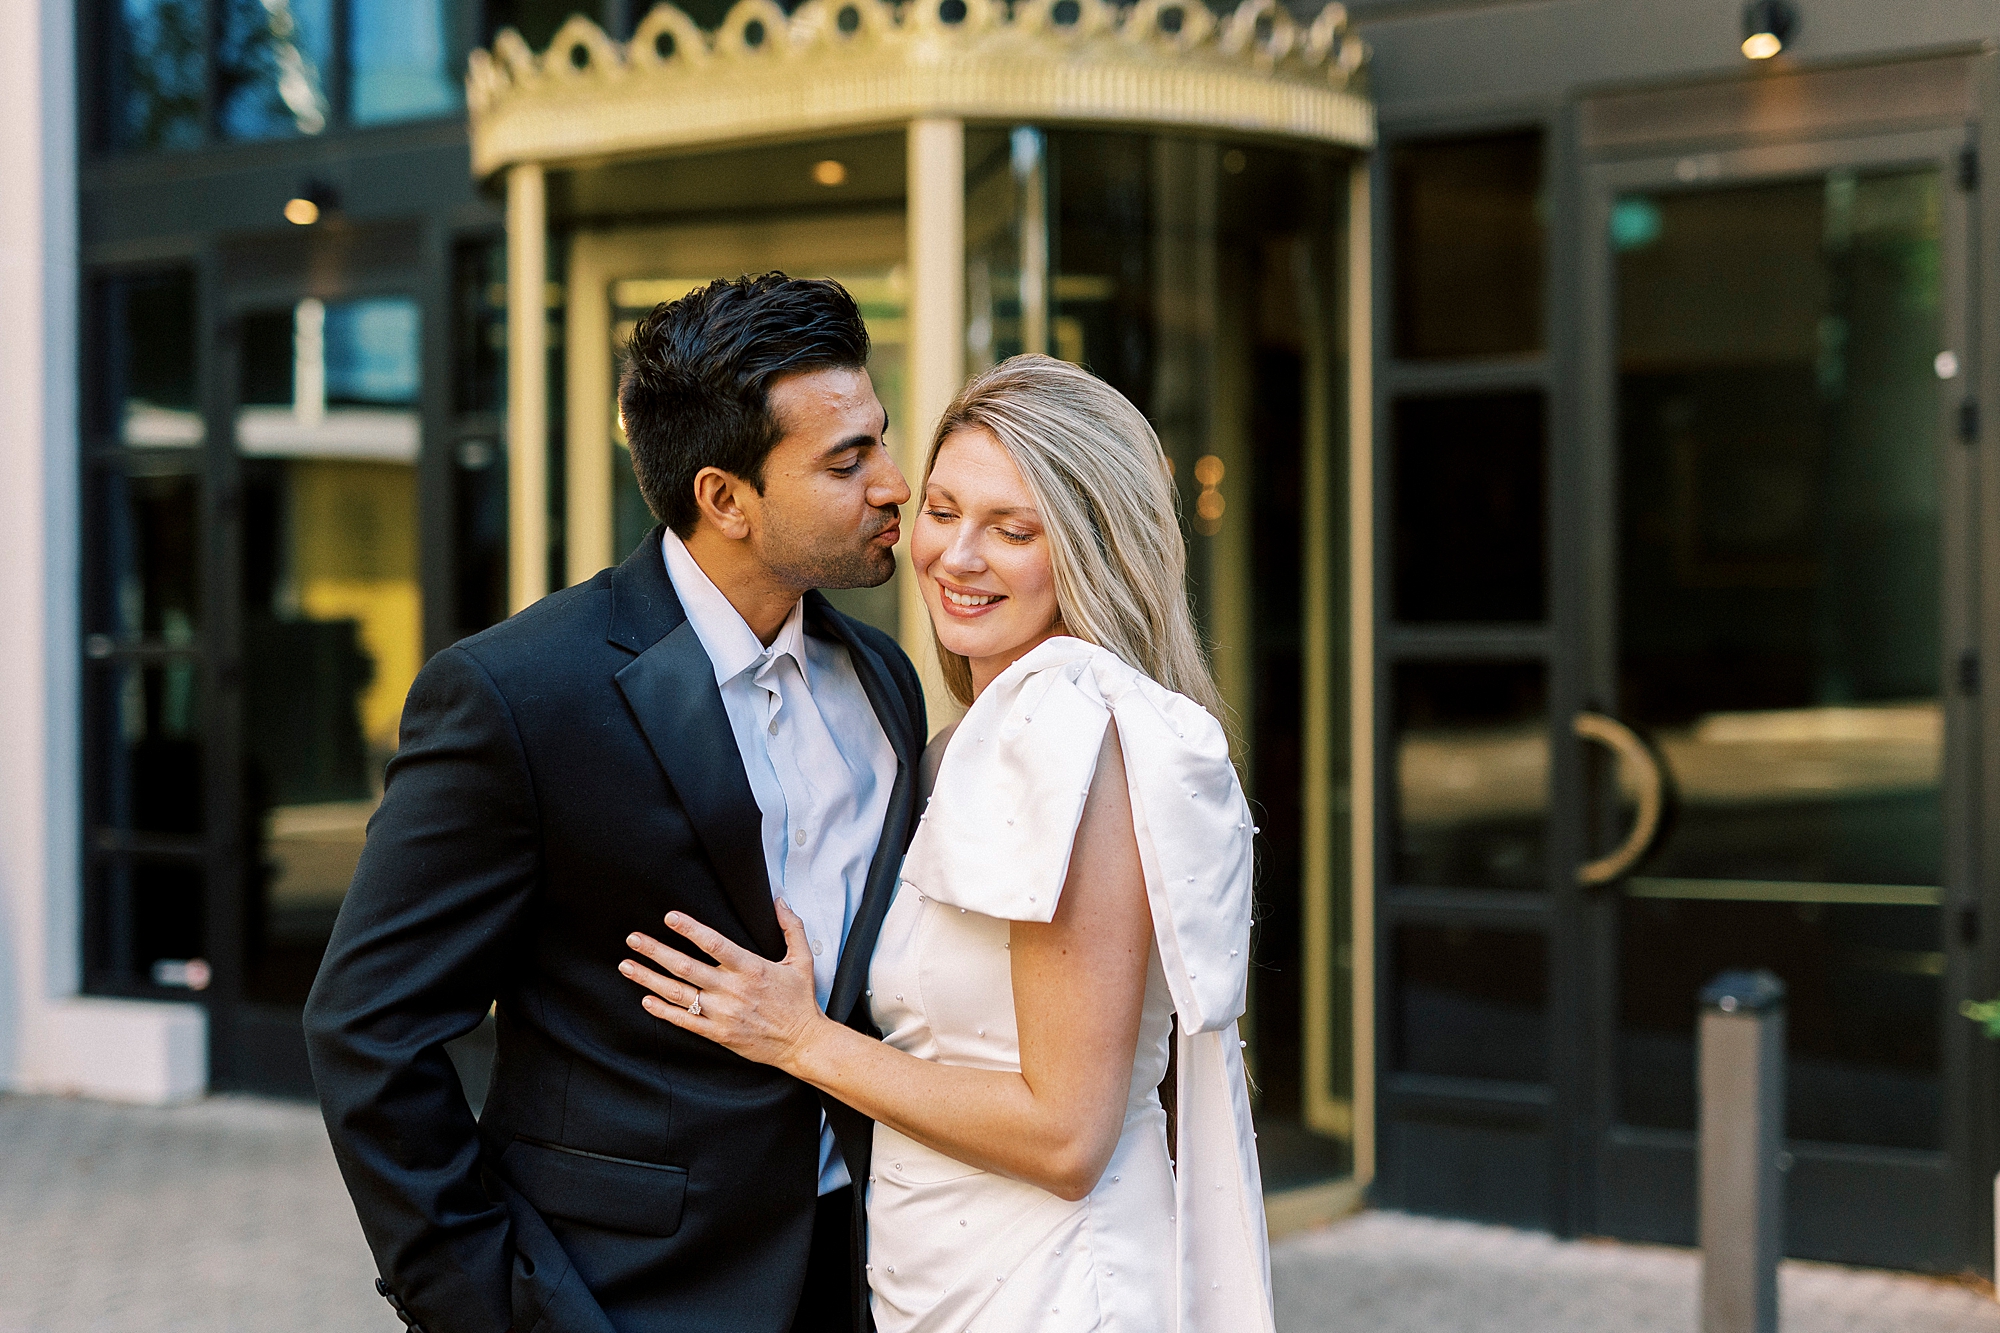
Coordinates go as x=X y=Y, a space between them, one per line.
x=965 y=603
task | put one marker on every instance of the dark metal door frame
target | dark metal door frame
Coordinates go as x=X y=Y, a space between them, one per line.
x=1595 y=650
x=1542 y=1112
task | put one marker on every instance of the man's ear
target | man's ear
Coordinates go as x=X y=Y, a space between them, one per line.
x=719 y=497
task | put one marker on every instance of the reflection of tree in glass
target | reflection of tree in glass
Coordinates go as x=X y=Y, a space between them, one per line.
x=266 y=76
x=162 y=74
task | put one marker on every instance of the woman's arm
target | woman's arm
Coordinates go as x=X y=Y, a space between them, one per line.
x=1079 y=985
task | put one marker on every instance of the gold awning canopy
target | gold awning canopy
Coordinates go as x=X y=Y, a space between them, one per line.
x=842 y=65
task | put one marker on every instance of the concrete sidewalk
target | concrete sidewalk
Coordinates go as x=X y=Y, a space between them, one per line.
x=229 y=1215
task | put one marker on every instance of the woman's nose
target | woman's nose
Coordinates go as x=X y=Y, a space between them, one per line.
x=962 y=556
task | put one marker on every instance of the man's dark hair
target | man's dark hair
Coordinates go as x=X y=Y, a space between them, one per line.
x=695 y=391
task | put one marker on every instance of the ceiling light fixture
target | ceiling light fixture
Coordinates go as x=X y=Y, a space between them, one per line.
x=311 y=201
x=1767 y=26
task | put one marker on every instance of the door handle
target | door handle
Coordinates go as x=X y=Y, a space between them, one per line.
x=1650 y=772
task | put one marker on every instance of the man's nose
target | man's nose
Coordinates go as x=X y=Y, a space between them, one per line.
x=888 y=487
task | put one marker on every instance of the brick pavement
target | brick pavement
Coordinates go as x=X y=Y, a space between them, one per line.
x=1392 y=1273
x=228 y=1215
x=223 y=1215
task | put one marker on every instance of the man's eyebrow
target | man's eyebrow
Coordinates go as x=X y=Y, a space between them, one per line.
x=857 y=441
x=851 y=442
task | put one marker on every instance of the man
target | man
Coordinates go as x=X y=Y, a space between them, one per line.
x=696 y=730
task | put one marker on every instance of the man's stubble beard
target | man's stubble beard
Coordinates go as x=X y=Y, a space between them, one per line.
x=811 y=560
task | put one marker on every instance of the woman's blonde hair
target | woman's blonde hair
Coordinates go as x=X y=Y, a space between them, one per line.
x=1100 y=480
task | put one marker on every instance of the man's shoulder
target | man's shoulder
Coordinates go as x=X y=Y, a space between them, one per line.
x=546 y=635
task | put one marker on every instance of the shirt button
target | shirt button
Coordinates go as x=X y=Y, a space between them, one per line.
x=773 y=728
x=816 y=948
x=800 y=837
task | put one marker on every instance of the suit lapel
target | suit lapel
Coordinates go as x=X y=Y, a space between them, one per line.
x=670 y=687
x=893 y=713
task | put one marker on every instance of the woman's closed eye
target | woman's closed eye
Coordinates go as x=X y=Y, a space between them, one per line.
x=1018 y=538
x=940 y=515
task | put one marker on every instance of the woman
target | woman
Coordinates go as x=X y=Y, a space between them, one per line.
x=1080 y=883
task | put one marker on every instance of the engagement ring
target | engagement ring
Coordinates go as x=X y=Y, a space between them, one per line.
x=694 y=1005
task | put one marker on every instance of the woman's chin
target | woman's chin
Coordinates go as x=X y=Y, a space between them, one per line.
x=989 y=647
x=976 y=645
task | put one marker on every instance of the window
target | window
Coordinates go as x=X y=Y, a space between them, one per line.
x=400 y=61
x=1469 y=228
x=479 y=454
x=271 y=68
x=180 y=73
x=1471 y=528
x=144 y=699
x=153 y=74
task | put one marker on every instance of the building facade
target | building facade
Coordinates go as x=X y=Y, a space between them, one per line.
x=1576 y=420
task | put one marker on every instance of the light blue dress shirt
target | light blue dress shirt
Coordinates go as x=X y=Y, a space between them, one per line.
x=819 y=765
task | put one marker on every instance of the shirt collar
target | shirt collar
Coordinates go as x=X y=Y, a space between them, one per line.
x=732 y=646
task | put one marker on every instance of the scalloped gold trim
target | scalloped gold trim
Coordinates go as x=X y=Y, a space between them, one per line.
x=838 y=65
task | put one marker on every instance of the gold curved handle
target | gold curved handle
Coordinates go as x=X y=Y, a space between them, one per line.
x=1652 y=783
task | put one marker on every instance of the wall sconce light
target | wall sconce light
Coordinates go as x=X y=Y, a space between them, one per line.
x=1767 y=26
x=313 y=200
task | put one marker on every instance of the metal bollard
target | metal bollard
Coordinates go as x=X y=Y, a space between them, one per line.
x=1742 y=1141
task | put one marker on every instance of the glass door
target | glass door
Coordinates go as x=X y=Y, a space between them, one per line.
x=328 y=616
x=1786 y=516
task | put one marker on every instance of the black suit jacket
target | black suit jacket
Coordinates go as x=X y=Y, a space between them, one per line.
x=565 y=778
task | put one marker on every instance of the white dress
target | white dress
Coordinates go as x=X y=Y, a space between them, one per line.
x=954 y=1249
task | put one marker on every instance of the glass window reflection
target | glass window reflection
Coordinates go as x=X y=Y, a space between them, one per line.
x=1472 y=774
x=1470 y=230
x=1007 y=248
x=479 y=284
x=1780 y=609
x=400 y=60
x=1864 y=984
x=1470 y=497
x=1201 y=278
x=1471 y=1003
x=332 y=607
x=143 y=361
x=370 y=351
x=153 y=74
x=146 y=556
x=537 y=20
x=1780 y=630
x=270 y=64
x=479 y=474
x=147 y=718
x=152 y=923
